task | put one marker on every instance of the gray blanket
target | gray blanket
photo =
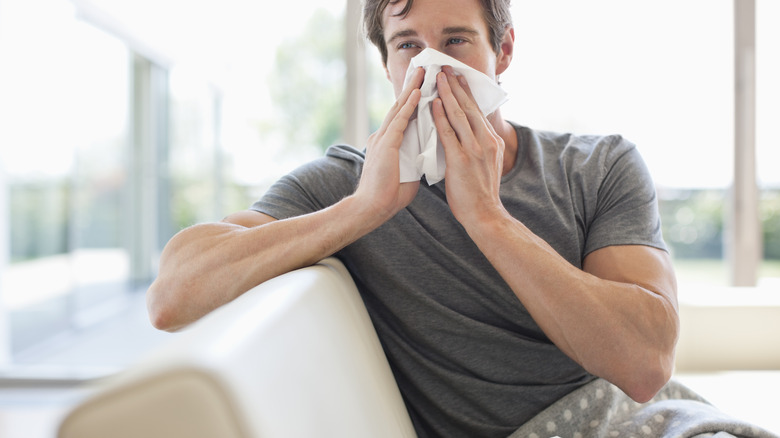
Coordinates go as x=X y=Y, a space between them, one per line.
x=601 y=410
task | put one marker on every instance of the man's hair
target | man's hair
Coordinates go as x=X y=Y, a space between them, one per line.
x=495 y=12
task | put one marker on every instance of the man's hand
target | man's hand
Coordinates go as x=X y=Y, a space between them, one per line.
x=380 y=185
x=474 y=152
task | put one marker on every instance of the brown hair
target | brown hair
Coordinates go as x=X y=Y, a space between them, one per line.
x=495 y=12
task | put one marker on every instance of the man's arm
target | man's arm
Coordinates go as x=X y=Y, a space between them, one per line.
x=617 y=317
x=208 y=265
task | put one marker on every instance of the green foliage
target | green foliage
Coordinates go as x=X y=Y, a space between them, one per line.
x=693 y=222
x=51 y=217
x=308 y=83
x=770 y=221
x=38 y=216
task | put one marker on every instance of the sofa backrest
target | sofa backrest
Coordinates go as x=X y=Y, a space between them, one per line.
x=296 y=356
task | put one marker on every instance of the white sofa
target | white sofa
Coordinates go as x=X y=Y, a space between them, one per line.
x=296 y=356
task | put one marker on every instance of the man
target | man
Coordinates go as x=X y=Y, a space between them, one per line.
x=536 y=266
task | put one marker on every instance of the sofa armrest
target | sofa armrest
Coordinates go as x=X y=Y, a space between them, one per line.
x=296 y=356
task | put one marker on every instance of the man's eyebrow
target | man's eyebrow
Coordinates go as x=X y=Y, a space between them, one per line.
x=460 y=30
x=401 y=34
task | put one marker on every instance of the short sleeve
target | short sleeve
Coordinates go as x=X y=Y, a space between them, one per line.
x=313 y=186
x=627 y=207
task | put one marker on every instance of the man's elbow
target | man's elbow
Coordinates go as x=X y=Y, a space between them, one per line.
x=648 y=380
x=161 y=320
x=163 y=313
x=655 y=364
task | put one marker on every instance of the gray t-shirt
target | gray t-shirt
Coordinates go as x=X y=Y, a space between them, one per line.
x=468 y=358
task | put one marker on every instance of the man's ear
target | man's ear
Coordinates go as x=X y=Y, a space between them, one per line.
x=504 y=56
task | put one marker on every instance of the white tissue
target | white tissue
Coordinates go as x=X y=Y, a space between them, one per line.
x=421 y=151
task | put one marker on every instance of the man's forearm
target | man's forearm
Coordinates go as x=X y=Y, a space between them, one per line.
x=208 y=265
x=621 y=325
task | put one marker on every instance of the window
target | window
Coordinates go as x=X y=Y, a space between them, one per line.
x=237 y=121
x=767 y=144
x=116 y=133
x=662 y=75
x=64 y=137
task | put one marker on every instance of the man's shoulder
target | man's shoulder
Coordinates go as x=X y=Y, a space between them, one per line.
x=314 y=185
x=584 y=143
x=576 y=148
x=338 y=159
x=345 y=152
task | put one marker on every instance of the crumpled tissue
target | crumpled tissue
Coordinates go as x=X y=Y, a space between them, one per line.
x=421 y=151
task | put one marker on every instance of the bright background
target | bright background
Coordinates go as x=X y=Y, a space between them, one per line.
x=122 y=122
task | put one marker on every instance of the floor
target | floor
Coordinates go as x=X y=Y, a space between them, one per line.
x=45 y=383
x=36 y=395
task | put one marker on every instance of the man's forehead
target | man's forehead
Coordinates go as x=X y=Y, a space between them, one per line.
x=393 y=11
x=395 y=25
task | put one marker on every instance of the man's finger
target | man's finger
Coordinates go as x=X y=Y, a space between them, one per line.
x=401 y=119
x=414 y=84
x=447 y=135
x=456 y=114
x=460 y=89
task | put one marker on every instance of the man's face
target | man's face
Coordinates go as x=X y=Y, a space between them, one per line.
x=453 y=27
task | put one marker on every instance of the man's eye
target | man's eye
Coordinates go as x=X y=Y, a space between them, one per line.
x=456 y=41
x=406 y=46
